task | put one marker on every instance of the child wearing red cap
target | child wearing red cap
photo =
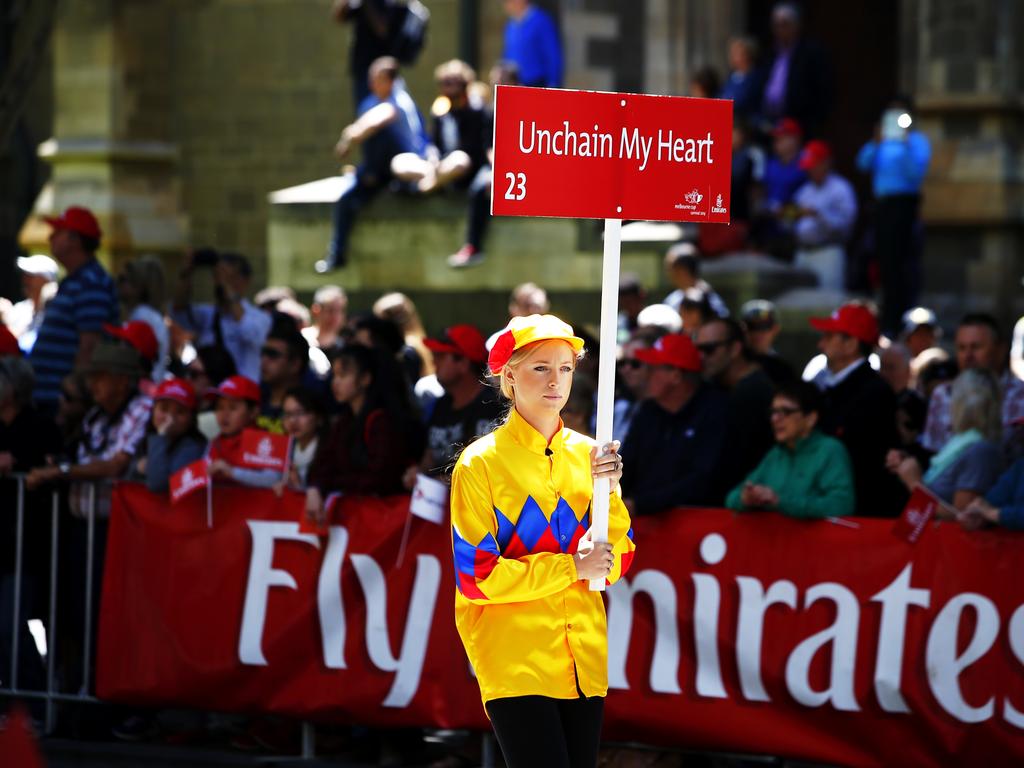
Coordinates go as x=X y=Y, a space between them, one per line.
x=174 y=441
x=520 y=508
x=238 y=408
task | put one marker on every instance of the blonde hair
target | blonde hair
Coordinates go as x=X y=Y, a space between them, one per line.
x=506 y=387
x=976 y=404
x=399 y=309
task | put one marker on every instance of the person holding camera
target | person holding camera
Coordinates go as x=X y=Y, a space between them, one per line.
x=897 y=160
x=232 y=321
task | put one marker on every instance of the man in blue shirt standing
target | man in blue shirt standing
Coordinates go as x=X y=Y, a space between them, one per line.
x=85 y=301
x=897 y=160
x=531 y=41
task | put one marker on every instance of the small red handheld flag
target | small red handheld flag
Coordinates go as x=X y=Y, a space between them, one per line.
x=920 y=510
x=188 y=479
x=263 y=450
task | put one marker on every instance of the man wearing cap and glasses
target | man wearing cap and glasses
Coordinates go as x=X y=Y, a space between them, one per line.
x=678 y=434
x=859 y=407
x=38 y=285
x=85 y=300
x=468 y=408
x=761 y=319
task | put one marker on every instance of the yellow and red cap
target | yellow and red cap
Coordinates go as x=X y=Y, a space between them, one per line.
x=521 y=331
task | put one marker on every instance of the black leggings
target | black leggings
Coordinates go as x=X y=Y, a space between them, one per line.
x=536 y=731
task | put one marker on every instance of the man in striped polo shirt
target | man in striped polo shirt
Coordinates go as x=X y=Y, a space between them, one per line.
x=85 y=300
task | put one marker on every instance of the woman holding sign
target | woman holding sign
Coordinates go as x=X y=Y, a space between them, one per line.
x=520 y=504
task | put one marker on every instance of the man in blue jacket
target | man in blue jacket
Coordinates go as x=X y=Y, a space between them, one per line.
x=531 y=41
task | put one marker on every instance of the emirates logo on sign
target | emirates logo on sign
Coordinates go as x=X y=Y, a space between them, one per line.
x=265 y=448
x=187 y=477
x=693 y=197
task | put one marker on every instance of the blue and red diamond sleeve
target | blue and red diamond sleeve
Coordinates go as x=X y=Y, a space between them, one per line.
x=620 y=533
x=482 y=574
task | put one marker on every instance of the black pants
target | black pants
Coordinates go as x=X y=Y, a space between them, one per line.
x=536 y=731
x=895 y=217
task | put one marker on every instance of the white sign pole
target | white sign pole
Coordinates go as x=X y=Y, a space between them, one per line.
x=606 y=375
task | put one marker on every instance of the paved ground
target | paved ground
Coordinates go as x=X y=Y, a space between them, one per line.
x=62 y=753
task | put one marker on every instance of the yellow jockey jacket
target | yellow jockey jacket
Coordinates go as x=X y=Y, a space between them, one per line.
x=519 y=507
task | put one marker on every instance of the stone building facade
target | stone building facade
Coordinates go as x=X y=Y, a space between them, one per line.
x=174 y=119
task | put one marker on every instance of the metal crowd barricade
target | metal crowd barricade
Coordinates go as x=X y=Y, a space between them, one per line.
x=51 y=695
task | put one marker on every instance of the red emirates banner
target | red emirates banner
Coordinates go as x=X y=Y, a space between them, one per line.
x=189 y=479
x=751 y=633
x=597 y=155
x=264 y=450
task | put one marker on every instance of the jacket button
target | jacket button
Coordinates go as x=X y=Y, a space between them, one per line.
x=563 y=537
x=569 y=626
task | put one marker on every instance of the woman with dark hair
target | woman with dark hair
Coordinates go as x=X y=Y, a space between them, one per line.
x=807 y=473
x=303 y=415
x=369 y=446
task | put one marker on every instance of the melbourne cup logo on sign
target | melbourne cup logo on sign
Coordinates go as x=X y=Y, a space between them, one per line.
x=589 y=154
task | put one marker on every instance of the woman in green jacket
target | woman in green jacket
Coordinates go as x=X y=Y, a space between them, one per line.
x=806 y=474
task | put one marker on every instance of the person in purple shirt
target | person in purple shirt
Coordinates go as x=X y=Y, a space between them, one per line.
x=531 y=41
x=798 y=80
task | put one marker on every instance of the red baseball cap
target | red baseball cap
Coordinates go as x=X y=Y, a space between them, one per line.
x=815 y=152
x=854 y=320
x=76 y=219
x=178 y=390
x=137 y=333
x=674 y=349
x=8 y=343
x=463 y=340
x=238 y=388
x=787 y=126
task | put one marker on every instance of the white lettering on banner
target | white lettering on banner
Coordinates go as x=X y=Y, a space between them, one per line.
x=842 y=634
x=945 y=664
x=750 y=629
x=707 y=598
x=633 y=145
x=328 y=599
x=895 y=600
x=1011 y=714
x=408 y=664
x=263 y=576
x=665 y=663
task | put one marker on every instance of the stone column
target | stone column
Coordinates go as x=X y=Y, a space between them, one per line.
x=966 y=69
x=113 y=147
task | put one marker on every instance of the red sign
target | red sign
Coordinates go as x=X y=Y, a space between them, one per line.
x=596 y=155
x=264 y=450
x=733 y=632
x=189 y=479
x=920 y=510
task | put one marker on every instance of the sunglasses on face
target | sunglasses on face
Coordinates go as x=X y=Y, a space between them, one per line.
x=783 y=412
x=632 y=364
x=709 y=347
x=271 y=353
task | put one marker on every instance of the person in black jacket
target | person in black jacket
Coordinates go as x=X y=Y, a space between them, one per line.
x=860 y=408
x=675 y=443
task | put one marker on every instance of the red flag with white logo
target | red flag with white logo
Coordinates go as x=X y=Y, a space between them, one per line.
x=920 y=510
x=189 y=479
x=263 y=450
